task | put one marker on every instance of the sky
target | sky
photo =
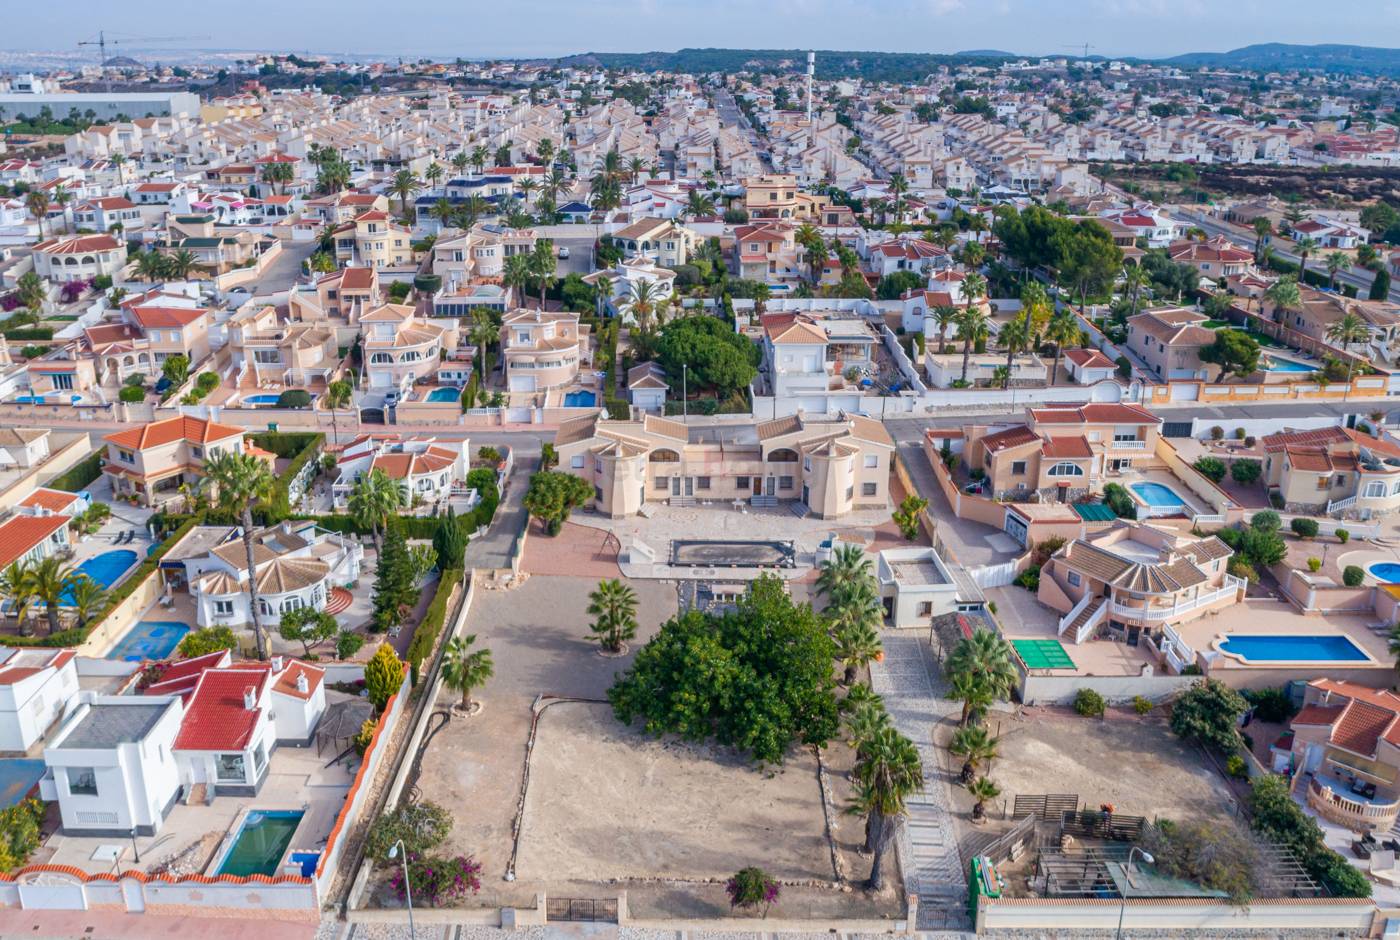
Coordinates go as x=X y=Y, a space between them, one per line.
x=528 y=28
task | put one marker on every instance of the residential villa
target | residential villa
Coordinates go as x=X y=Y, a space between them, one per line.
x=832 y=465
x=428 y=469
x=944 y=370
x=151 y=462
x=767 y=252
x=35 y=684
x=620 y=283
x=23 y=447
x=543 y=350
x=660 y=241
x=1215 y=259
x=1332 y=470
x=401 y=348
x=373 y=240
x=1134 y=579
x=1170 y=342
x=268 y=353
x=30 y=537
x=1345 y=744
x=1062 y=453
x=343 y=295
x=79 y=258
x=1089 y=366
x=814 y=352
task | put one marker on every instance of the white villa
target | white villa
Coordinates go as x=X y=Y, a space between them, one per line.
x=428 y=469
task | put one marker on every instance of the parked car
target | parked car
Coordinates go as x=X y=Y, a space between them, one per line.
x=563 y=251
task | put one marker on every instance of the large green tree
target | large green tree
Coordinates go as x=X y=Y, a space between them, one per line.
x=1208 y=714
x=1234 y=351
x=553 y=495
x=709 y=352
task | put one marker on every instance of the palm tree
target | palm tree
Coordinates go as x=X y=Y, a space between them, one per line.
x=888 y=770
x=1015 y=336
x=545 y=151
x=1349 y=329
x=980 y=671
x=945 y=316
x=1262 y=227
x=613 y=605
x=1284 y=295
x=464 y=669
x=1337 y=262
x=479 y=157
x=17 y=587
x=604 y=194
x=982 y=790
x=483 y=333
x=37 y=202
x=526 y=187
x=865 y=719
x=460 y=161
x=180 y=264
x=972 y=329
x=241 y=481
x=1001 y=376
x=898 y=186
x=61 y=198
x=858 y=644
x=1135 y=278
x=698 y=204
x=635 y=166
x=149 y=265
x=543 y=264
x=975 y=745
x=847 y=567
x=443 y=210
x=337 y=397
x=641 y=302
x=50 y=580
x=404 y=184
x=433 y=173
x=1305 y=246
x=811 y=240
x=612 y=165
x=87 y=598
x=1062 y=330
x=516 y=274
x=373 y=499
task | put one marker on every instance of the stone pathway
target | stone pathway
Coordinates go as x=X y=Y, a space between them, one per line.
x=928 y=844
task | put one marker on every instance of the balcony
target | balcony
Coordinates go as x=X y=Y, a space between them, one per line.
x=1127 y=445
x=1151 y=614
x=1335 y=801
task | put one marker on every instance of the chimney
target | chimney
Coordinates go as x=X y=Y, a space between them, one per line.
x=302 y=685
x=276 y=664
x=250 y=698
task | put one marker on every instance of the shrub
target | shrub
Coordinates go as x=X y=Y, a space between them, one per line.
x=752 y=887
x=19 y=832
x=1089 y=703
x=208 y=640
x=364 y=737
x=294 y=398
x=1271 y=705
x=1235 y=767
x=1208 y=714
x=1266 y=521
x=1217 y=433
x=1119 y=501
x=1029 y=579
x=1314 y=565
x=1278 y=818
x=437 y=880
x=425 y=637
x=1243 y=569
x=1342 y=535
x=132 y=394
x=1363 y=428
x=1249 y=440
x=1239 y=434
x=1353 y=575
x=1245 y=471
x=421 y=826
x=1141 y=705
x=1304 y=528
x=79 y=476
x=383 y=675
x=347 y=644
x=1213 y=468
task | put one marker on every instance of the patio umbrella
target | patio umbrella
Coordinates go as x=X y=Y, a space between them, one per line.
x=343 y=722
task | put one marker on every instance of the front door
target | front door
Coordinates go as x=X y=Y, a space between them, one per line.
x=758 y=486
x=770 y=485
x=690 y=486
x=675 y=486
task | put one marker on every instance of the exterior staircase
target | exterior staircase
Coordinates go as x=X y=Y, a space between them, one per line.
x=1080 y=622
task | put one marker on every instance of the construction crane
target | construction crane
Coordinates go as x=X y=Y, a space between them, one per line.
x=1085 y=46
x=102 y=42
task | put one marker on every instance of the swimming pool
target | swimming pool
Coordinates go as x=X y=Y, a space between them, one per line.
x=1277 y=364
x=444 y=394
x=1293 y=649
x=1158 y=495
x=261 y=842
x=45 y=400
x=105 y=569
x=149 y=639
x=580 y=400
x=260 y=399
x=1386 y=572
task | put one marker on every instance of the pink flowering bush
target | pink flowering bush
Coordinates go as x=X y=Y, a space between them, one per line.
x=752 y=887
x=437 y=880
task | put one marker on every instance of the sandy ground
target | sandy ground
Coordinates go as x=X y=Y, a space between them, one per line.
x=607 y=801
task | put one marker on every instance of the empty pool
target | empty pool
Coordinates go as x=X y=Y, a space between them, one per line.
x=261 y=842
x=580 y=400
x=444 y=394
x=1386 y=572
x=1158 y=495
x=260 y=399
x=1293 y=649
x=149 y=639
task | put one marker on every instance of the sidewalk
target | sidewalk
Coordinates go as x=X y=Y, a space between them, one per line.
x=110 y=925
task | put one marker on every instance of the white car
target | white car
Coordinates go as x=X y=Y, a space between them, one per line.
x=563 y=251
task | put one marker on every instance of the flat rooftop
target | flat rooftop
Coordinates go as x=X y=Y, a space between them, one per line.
x=108 y=724
x=199 y=541
x=917 y=572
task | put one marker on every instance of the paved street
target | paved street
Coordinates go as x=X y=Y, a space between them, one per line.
x=493 y=550
x=285 y=268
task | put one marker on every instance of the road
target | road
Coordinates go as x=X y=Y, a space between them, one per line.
x=731 y=116
x=284 y=270
x=1357 y=277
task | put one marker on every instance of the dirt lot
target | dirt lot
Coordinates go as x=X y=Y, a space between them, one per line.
x=607 y=801
x=1137 y=765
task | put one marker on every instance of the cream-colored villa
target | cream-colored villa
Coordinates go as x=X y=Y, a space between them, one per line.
x=1333 y=470
x=832 y=465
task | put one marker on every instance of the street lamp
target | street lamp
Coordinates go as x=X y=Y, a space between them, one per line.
x=408 y=891
x=134 y=850
x=1128 y=883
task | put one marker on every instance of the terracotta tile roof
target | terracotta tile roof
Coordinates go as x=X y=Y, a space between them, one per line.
x=1067 y=447
x=778 y=427
x=194 y=430
x=1095 y=414
x=167 y=316
x=576 y=429
x=1011 y=437
x=1089 y=359
x=78 y=244
x=287 y=679
x=1317 y=714
x=1274 y=443
x=216 y=719
x=181 y=676
x=52 y=500
x=1360 y=726
x=357 y=279
x=19 y=534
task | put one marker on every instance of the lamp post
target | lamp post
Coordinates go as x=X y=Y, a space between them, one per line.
x=134 y=850
x=685 y=392
x=408 y=891
x=1128 y=883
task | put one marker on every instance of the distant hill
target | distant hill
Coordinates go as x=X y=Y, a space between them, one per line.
x=1368 y=60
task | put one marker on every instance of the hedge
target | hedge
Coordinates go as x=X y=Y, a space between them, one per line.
x=425 y=637
x=80 y=475
x=413 y=527
x=301 y=447
x=75 y=636
x=33 y=332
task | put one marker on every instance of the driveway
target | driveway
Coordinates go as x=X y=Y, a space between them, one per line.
x=284 y=270
x=493 y=549
x=968 y=541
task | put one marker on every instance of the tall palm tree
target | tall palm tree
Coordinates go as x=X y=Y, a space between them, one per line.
x=1015 y=336
x=480 y=154
x=1284 y=295
x=1305 y=247
x=858 y=644
x=464 y=669
x=985 y=659
x=404 y=184
x=543 y=265
x=444 y=211
x=180 y=264
x=641 y=302
x=612 y=165
x=635 y=166
x=698 y=204
x=1135 y=278
x=1349 y=329
x=898 y=186
x=604 y=193
x=945 y=316
x=37 y=202
x=972 y=329
x=1262 y=227
x=888 y=770
x=545 y=151
x=433 y=174
x=613 y=607
x=337 y=397
x=460 y=161
x=242 y=481
x=50 y=580
x=865 y=719
x=373 y=499
x=517 y=276
x=975 y=745
x=839 y=575
x=61 y=198
x=17 y=587
x=1062 y=330
x=526 y=187
x=483 y=333
x=1337 y=262
x=87 y=598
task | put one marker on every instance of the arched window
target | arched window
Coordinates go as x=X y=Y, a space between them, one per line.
x=664 y=456
x=1065 y=469
x=783 y=455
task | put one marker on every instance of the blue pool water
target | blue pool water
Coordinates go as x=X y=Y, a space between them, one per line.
x=46 y=400
x=106 y=568
x=1158 y=494
x=149 y=639
x=260 y=399
x=444 y=394
x=261 y=842
x=1386 y=572
x=1293 y=649
x=580 y=400
x=1275 y=364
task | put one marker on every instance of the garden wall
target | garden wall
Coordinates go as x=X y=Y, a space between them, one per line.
x=59 y=461
x=1322 y=915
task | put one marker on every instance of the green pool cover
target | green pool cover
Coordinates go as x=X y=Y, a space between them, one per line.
x=1094 y=512
x=1043 y=654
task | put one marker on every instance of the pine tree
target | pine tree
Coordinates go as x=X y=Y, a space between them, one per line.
x=450 y=540
x=393 y=583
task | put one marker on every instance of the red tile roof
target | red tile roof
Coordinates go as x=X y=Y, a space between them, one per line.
x=287 y=679
x=19 y=534
x=1095 y=414
x=167 y=316
x=1361 y=726
x=1068 y=447
x=194 y=430
x=1011 y=437
x=216 y=719
x=52 y=500
x=180 y=677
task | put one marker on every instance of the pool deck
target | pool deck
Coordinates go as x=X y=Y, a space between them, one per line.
x=1264 y=617
x=296 y=780
x=1194 y=506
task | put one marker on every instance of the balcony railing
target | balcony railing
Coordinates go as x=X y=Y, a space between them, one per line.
x=1147 y=613
x=1127 y=445
x=1353 y=813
